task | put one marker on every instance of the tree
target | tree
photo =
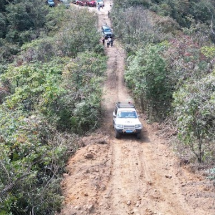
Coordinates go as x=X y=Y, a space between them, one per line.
x=33 y=86
x=133 y=27
x=32 y=158
x=194 y=108
x=2 y=25
x=23 y=16
x=3 y=3
x=82 y=76
x=147 y=77
x=186 y=61
x=78 y=35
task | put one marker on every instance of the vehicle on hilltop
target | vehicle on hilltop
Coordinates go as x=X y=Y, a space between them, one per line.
x=81 y=2
x=91 y=3
x=100 y=3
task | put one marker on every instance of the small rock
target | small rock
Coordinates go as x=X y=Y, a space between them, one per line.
x=128 y=202
x=102 y=187
x=77 y=207
x=65 y=175
x=88 y=155
x=168 y=176
x=102 y=142
x=90 y=207
x=149 y=183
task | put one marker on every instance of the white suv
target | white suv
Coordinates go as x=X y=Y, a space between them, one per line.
x=125 y=120
x=100 y=3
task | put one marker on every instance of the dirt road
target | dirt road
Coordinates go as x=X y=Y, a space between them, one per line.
x=128 y=176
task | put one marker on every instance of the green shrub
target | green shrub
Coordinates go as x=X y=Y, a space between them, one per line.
x=147 y=77
x=33 y=155
x=194 y=108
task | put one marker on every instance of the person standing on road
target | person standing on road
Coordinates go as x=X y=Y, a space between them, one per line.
x=98 y=6
x=103 y=40
x=108 y=43
x=109 y=40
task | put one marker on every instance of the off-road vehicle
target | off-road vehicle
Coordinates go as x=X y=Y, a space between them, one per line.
x=125 y=120
x=107 y=32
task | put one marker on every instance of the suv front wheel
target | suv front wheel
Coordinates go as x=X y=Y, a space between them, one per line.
x=138 y=135
x=117 y=134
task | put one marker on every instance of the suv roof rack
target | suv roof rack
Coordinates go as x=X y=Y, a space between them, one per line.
x=125 y=105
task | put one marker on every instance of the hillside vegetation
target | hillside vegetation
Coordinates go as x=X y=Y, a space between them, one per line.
x=52 y=67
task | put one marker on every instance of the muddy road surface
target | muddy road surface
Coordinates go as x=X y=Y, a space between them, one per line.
x=128 y=176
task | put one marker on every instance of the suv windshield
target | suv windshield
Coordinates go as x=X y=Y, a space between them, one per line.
x=127 y=114
x=107 y=30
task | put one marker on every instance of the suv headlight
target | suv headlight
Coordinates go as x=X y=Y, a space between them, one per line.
x=138 y=126
x=119 y=126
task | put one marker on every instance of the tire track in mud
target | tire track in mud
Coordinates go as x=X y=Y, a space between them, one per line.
x=128 y=179
x=127 y=182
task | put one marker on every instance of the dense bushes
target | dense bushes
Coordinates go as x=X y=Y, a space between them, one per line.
x=44 y=105
x=68 y=41
x=194 y=108
x=49 y=94
x=133 y=28
x=82 y=79
x=78 y=34
x=147 y=77
x=180 y=10
x=33 y=155
x=21 y=22
x=23 y=16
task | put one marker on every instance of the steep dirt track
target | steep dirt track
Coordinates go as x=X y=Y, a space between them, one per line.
x=128 y=176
